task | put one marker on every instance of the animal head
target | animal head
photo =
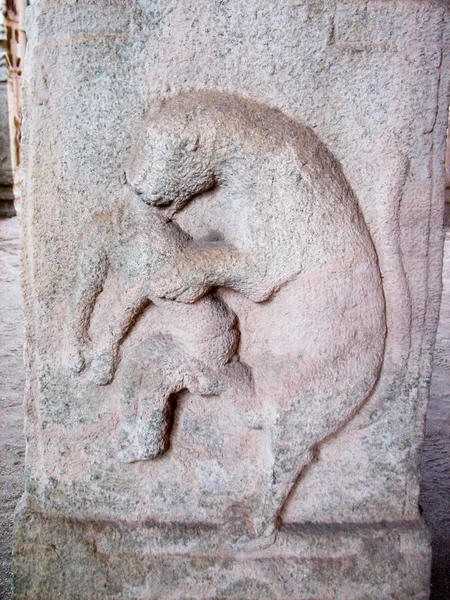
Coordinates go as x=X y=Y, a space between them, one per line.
x=169 y=166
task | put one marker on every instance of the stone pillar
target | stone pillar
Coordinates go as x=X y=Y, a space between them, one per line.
x=16 y=43
x=6 y=176
x=232 y=227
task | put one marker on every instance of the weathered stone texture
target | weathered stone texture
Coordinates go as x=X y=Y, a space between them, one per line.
x=290 y=157
x=314 y=562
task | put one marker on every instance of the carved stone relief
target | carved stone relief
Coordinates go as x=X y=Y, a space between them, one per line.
x=296 y=245
x=230 y=307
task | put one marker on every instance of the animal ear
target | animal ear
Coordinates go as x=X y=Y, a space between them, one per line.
x=191 y=142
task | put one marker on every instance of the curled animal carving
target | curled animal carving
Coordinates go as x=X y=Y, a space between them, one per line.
x=290 y=222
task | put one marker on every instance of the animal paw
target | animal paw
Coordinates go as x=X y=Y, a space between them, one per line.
x=181 y=282
x=133 y=451
x=204 y=382
x=103 y=368
x=77 y=361
x=260 y=535
x=186 y=294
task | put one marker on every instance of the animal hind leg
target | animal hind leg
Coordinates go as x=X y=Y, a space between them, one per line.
x=148 y=436
x=149 y=382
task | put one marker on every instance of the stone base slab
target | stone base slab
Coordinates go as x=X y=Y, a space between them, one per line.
x=67 y=559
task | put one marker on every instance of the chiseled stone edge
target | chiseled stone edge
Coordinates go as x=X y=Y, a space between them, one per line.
x=62 y=558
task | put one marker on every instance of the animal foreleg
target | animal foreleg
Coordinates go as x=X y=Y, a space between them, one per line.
x=105 y=362
x=203 y=266
x=91 y=277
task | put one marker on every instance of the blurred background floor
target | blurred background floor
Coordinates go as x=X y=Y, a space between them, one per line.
x=12 y=378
